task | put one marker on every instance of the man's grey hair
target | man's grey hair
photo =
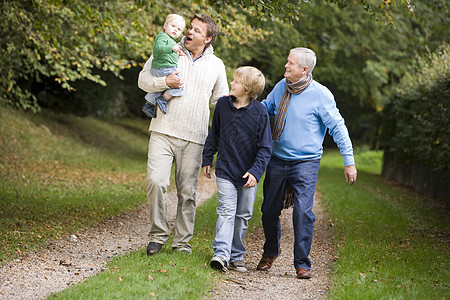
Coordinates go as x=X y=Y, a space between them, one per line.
x=307 y=57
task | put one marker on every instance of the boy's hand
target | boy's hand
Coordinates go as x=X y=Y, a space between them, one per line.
x=206 y=171
x=177 y=49
x=251 y=182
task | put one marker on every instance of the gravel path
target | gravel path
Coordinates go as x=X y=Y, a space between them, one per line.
x=280 y=281
x=74 y=258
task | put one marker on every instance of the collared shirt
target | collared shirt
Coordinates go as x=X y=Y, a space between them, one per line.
x=194 y=59
x=241 y=138
x=308 y=117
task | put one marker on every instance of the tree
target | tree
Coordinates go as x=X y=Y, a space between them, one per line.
x=66 y=41
x=416 y=125
x=291 y=10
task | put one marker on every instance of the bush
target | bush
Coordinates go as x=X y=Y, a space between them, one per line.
x=416 y=127
x=416 y=122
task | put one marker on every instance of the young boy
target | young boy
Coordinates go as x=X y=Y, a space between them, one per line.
x=165 y=59
x=240 y=134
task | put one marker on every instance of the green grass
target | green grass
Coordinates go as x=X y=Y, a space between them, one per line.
x=167 y=275
x=392 y=242
x=60 y=173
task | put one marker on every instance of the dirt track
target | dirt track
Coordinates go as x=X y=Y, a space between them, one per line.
x=74 y=258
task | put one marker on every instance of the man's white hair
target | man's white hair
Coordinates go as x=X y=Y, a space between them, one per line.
x=306 y=57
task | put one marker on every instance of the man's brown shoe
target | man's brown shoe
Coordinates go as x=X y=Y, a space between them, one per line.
x=266 y=262
x=303 y=273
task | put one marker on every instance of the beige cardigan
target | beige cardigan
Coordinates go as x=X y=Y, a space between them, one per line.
x=187 y=116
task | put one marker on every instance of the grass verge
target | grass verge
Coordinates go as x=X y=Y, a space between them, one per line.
x=166 y=275
x=393 y=243
x=60 y=173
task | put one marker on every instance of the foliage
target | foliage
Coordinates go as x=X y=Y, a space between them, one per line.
x=291 y=10
x=359 y=59
x=392 y=243
x=58 y=54
x=417 y=119
x=66 y=41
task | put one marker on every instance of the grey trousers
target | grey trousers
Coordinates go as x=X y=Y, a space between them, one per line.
x=163 y=151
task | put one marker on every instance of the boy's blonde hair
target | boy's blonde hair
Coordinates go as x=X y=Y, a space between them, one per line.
x=252 y=79
x=176 y=17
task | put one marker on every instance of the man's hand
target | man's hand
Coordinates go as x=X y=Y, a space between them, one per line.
x=207 y=171
x=350 y=174
x=174 y=81
x=251 y=181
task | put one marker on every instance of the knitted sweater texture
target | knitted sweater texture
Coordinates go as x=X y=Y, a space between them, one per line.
x=187 y=116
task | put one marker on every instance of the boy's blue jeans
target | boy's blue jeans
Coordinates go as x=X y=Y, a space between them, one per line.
x=234 y=211
x=302 y=176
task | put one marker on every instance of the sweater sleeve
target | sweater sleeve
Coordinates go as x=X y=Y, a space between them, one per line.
x=149 y=83
x=331 y=117
x=264 y=147
x=221 y=86
x=270 y=101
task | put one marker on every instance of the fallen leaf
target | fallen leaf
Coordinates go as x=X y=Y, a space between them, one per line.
x=150 y=278
x=120 y=278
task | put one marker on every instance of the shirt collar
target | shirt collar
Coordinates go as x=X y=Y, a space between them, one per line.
x=232 y=99
x=194 y=59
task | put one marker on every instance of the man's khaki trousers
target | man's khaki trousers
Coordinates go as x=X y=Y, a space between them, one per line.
x=163 y=151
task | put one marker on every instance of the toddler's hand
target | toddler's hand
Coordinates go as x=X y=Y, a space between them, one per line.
x=177 y=49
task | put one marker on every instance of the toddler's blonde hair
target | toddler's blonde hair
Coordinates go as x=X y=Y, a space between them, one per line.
x=175 y=17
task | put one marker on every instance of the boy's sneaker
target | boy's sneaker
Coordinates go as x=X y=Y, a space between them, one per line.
x=218 y=263
x=149 y=110
x=162 y=102
x=238 y=266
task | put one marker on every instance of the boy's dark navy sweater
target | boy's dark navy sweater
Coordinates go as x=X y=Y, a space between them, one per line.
x=242 y=139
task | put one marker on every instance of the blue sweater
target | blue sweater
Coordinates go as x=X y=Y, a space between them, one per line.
x=308 y=117
x=241 y=138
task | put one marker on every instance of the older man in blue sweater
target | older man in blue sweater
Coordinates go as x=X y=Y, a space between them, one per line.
x=303 y=110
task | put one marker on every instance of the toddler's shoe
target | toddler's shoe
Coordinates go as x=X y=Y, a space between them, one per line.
x=162 y=103
x=149 y=110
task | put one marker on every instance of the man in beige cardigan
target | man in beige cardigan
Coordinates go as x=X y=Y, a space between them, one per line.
x=180 y=134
